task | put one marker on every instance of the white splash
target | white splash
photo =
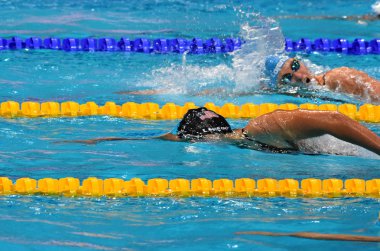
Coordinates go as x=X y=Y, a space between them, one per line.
x=376 y=7
x=193 y=149
x=249 y=62
x=328 y=144
x=188 y=79
x=262 y=37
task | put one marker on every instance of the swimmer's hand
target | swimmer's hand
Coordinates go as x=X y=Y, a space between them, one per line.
x=318 y=236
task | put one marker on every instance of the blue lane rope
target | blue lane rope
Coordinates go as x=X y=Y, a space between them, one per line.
x=357 y=47
x=179 y=45
x=176 y=45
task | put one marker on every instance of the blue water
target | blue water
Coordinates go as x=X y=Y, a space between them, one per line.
x=28 y=148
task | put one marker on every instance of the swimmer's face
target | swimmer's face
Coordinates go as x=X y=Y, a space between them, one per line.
x=294 y=71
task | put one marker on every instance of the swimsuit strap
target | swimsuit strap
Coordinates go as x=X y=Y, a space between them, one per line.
x=324 y=80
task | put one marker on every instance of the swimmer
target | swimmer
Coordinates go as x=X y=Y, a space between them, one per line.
x=281 y=71
x=278 y=131
x=317 y=236
x=289 y=71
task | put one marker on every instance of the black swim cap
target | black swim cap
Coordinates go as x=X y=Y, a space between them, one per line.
x=198 y=122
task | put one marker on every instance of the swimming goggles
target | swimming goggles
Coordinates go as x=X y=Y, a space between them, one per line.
x=287 y=78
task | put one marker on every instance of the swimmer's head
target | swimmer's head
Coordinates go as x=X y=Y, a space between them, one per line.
x=293 y=71
x=273 y=65
x=199 y=122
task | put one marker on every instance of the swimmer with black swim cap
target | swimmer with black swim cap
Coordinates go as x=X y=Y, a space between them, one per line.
x=278 y=131
x=199 y=122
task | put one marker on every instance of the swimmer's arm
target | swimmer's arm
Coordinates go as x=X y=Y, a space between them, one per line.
x=144 y=92
x=318 y=236
x=337 y=125
x=97 y=140
x=351 y=81
x=291 y=126
x=167 y=136
x=214 y=91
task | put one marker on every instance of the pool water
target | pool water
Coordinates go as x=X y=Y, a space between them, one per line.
x=28 y=147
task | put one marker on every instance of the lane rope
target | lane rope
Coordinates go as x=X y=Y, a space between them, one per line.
x=243 y=187
x=358 y=46
x=11 y=109
x=143 y=45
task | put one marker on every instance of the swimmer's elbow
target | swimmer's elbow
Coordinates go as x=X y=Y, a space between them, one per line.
x=169 y=137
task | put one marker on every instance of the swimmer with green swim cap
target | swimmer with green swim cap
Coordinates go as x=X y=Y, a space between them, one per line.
x=288 y=71
x=278 y=131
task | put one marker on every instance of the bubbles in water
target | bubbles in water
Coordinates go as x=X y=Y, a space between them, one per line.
x=262 y=37
x=189 y=78
x=328 y=144
x=376 y=7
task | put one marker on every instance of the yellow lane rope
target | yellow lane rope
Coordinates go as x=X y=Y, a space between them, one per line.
x=9 y=109
x=243 y=187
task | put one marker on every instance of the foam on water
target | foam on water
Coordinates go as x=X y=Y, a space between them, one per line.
x=189 y=79
x=328 y=144
x=262 y=37
x=244 y=74
x=376 y=7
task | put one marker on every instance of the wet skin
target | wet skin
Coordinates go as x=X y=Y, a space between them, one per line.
x=318 y=236
x=283 y=129
x=344 y=80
